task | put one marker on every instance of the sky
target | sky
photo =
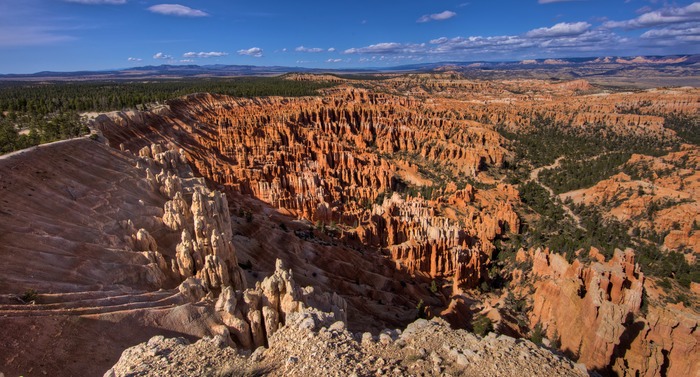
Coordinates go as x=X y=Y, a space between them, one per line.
x=73 y=35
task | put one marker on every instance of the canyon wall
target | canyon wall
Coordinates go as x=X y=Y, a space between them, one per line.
x=341 y=160
x=598 y=314
x=331 y=159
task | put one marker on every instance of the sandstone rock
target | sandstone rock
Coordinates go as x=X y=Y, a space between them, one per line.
x=188 y=259
x=193 y=289
x=254 y=315
x=595 y=312
x=144 y=241
x=313 y=154
x=205 y=249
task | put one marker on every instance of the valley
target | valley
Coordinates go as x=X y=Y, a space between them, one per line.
x=560 y=216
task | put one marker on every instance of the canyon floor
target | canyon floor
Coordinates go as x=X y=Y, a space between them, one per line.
x=418 y=224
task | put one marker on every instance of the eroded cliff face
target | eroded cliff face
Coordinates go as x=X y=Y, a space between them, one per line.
x=199 y=215
x=595 y=312
x=331 y=159
x=125 y=246
x=403 y=190
x=64 y=205
x=254 y=315
x=92 y=245
x=437 y=238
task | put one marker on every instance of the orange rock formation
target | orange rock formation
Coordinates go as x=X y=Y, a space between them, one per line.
x=595 y=310
x=322 y=159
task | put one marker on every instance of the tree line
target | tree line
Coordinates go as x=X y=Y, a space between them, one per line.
x=49 y=98
x=35 y=113
x=37 y=130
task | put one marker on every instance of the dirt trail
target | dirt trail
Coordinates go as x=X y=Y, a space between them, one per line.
x=25 y=150
x=535 y=176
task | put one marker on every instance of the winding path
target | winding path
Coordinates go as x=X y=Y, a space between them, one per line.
x=25 y=150
x=535 y=176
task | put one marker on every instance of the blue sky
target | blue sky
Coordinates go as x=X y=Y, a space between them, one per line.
x=68 y=35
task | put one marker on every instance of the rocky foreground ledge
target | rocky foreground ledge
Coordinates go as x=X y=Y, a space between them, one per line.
x=312 y=344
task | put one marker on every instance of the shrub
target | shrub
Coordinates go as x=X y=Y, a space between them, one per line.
x=28 y=296
x=556 y=340
x=665 y=283
x=421 y=309
x=485 y=287
x=433 y=287
x=482 y=325
x=537 y=334
x=681 y=297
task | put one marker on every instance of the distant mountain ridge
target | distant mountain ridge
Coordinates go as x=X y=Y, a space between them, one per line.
x=220 y=70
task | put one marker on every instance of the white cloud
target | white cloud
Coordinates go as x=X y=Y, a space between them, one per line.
x=674 y=31
x=253 y=51
x=134 y=59
x=445 y=15
x=562 y=29
x=308 y=49
x=177 y=10
x=332 y=49
x=589 y=41
x=385 y=48
x=334 y=60
x=113 y=2
x=675 y=35
x=186 y=60
x=212 y=54
x=665 y=16
x=162 y=56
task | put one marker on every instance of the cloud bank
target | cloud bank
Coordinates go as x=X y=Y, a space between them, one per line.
x=665 y=16
x=560 y=39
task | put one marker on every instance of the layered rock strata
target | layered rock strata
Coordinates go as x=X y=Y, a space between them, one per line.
x=519 y=104
x=330 y=159
x=93 y=243
x=596 y=313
